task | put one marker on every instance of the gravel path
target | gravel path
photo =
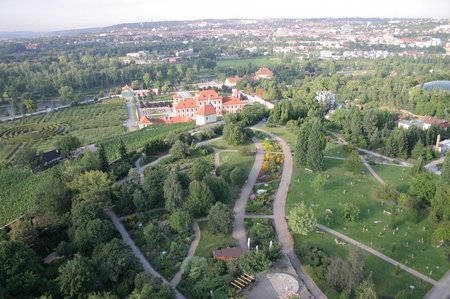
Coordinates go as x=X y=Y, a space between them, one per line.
x=239 y=232
x=284 y=236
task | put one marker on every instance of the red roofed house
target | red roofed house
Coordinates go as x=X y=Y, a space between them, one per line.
x=231 y=81
x=184 y=104
x=144 y=122
x=428 y=121
x=205 y=115
x=226 y=254
x=263 y=73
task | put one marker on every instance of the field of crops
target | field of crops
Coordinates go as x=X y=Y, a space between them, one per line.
x=89 y=123
x=18 y=189
x=138 y=139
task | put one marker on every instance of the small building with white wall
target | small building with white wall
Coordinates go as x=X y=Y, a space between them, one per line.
x=205 y=115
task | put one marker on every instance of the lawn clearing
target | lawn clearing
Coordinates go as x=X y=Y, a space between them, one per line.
x=210 y=242
x=289 y=137
x=343 y=186
x=257 y=61
x=387 y=283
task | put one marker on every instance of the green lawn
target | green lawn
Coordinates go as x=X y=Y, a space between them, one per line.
x=210 y=242
x=343 y=186
x=398 y=176
x=257 y=61
x=387 y=283
x=223 y=145
x=289 y=137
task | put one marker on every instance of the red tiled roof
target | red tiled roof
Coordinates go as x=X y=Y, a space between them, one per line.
x=206 y=110
x=191 y=103
x=127 y=88
x=228 y=253
x=264 y=72
x=431 y=120
x=144 y=120
x=233 y=80
x=178 y=119
x=232 y=101
x=207 y=94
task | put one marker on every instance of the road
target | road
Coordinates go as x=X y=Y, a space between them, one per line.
x=127 y=239
x=130 y=122
x=432 y=166
x=441 y=290
x=284 y=236
x=377 y=253
x=239 y=232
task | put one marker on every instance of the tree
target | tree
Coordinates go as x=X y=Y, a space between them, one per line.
x=180 y=221
x=76 y=277
x=218 y=187
x=154 y=179
x=220 y=219
x=94 y=232
x=162 y=291
x=385 y=192
x=366 y=290
x=301 y=219
x=254 y=262
x=234 y=134
x=441 y=235
x=29 y=105
x=445 y=170
x=67 y=143
x=301 y=148
x=418 y=150
x=173 y=193
x=27 y=158
x=66 y=93
x=200 y=198
x=117 y=266
x=316 y=145
x=350 y=212
x=201 y=168
x=441 y=202
x=418 y=167
x=93 y=186
x=84 y=212
x=423 y=186
x=91 y=161
x=346 y=275
x=179 y=150
x=318 y=183
x=123 y=153
x=102 y=157
x=53 y=199
x=238 y=176
x=20 y=271
x=25 y=232
x=353 y=162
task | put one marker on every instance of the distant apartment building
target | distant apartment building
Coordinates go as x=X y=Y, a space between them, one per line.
x=326 y=99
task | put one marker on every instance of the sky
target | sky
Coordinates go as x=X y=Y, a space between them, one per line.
x=48 y=15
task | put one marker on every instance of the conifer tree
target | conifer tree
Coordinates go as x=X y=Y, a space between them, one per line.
x=102 y=157
x=316 y=145
x=122 y=150
x=301 y=148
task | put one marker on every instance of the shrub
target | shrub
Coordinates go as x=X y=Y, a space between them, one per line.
x=237 y=176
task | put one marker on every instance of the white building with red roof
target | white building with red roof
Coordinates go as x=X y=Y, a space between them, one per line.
x=184 y=104
x=205 y=115
x=231 y=81
x=263 y=73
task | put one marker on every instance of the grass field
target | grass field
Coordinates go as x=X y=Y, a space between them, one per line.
x=398 y=176
x=210 y=242
x=289 y=137
x=257 y=61
x=387 y=283
x=343 y=186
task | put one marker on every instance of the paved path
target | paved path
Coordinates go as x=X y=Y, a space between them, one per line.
x=432 y=166
x=377 y=253
x=127 y=239
x=281 y=226
x=192 y=248
x=239 y=232
x=370 y=169
x=250 y=216
x=441 y=290
x=130 y=122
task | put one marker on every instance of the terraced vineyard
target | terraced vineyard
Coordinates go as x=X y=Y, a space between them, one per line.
x=89 y=123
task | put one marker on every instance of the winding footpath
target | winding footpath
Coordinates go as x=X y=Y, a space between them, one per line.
x=136 y=251
x=239 y=232
x=376 y=253
x=284 y=236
